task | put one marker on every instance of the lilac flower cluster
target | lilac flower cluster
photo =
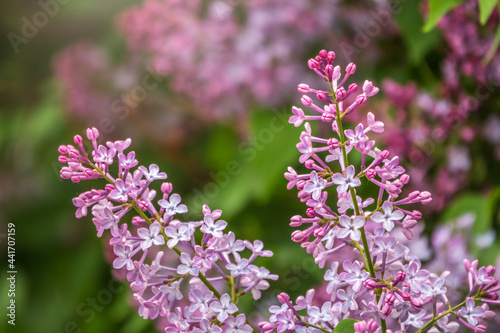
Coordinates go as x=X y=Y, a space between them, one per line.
x=200 y=291
x=385 y=289
x=441 y=122
x=258 y=42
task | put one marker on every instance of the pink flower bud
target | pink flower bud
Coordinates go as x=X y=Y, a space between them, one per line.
x=326 y=117
x=310 y=164
x=390 y=298
x=384 y=154
x=63 y=159
x=370 y=284
x=303 y=88
x=310 y=212
x=417 y=303
x=166 y=188
x=62 y=149
x=386 y=310
x=329 y=69
x=301 y=184
x=480 y=329
x=353 y=87
x=313 y=64
x=296 y=221
x=321 y=96
x=283 y=298
x=490 y=270
x=404 y=179
x=323 y=53
x=467 y=265
x=351 y=68
x=92 y=133
x=333 y=143
x=77 y=139
x=297 y=236
x=306 y=100
x=330 y=57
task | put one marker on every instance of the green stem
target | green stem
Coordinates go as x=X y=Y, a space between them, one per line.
x=366 y=253
x=433 y=320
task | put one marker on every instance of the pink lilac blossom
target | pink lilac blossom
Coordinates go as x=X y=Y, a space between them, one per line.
x=424 y=123
x=181 y=291
x=228 y=55
x=385 y=288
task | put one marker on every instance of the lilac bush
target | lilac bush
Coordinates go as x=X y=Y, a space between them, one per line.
x=380 y=287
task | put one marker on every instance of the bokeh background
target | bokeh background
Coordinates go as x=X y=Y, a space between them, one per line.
x=204 y=89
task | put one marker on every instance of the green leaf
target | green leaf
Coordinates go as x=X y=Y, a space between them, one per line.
x=485 y=9
x=417 y=42
x=345 y=326
x=471 y=203
x=493 y=48
x=437 y=9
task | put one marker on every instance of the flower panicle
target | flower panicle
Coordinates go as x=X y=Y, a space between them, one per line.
x=378 y=281
x=197 y=289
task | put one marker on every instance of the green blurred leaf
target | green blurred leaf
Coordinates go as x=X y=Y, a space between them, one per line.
x=471 y=203
x=494 y=47
x=345 y=326
x=418 y=43
x=485 y=9
x=437 y=8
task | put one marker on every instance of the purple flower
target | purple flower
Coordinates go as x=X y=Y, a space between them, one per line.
x=315 y=185
x=369 y=89
x=356 y=136
x=122 y=191
x=207 y=327
x=415 y=276
x=153 y=173
x=199 y=300
x=103 y=155
x=298 y=117
x=213 y=228
x=240 y=268
x=316 y=315
x=204 y=257
x=471 y=312
x=415 y=319
x=105 y=220
x=349 y=301
x=128 y=161
x=333 y=278
x=238 y=324
x=223 y=308
x=172 y=291
x=173 y=205
x=124 y=253
x=346 y=181
x=187 y=266
x=350 y=227
x=435 y=290
x=388 y=217
x=151 y=236
x=176 y=235
x=353 y=274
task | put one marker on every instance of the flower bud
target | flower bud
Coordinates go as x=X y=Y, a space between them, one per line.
x=77 y=139
x=321 y=96
x=296 y=221
x=306 y=100
x=303 y=88
x=330 y=57
x=390 y=298
x=333 y=143
x=323 y=53
x=480 y=329
x=329 y=69
x=313 y=64
x=417 y=303
x=386 y=310
x=326 y=117
x=490 y=270
x=351 y=68
x=310 y=212
x=283 y=298
x=166 y=188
